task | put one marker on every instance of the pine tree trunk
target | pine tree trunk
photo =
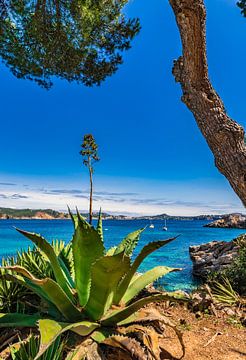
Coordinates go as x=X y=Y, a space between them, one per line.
x=224 y=136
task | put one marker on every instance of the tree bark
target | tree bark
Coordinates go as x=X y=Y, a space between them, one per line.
x=224 y=136
x=91 y=194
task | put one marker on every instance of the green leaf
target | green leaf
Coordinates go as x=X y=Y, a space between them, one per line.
x=18 y=320
x=101 y=334
x=59 y=298
x=129 y=243
x=117 y=316
x=100 y=225
x=111 y=251
x=87 y=248
x=27 y=283
x=106 y=274
x=53 y=292
x=144 y=280
x=48 y=250
x=35 y=288
x=147 y=250
x=50 y=330
x=66 y=273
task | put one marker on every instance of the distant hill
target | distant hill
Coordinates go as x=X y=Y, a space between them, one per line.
x=9 y=213
x=173 y=217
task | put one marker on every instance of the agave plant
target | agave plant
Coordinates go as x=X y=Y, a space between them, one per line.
x=28 y=349
x=12 y=294
x=96 y=295
x=223 y=292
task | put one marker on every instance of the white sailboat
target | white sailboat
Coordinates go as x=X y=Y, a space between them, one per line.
x=152 y=226
x=165 y=226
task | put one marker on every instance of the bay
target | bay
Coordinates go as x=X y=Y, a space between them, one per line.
x=175 y=254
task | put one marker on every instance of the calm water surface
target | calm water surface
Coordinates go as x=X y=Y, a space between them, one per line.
x=175 y=254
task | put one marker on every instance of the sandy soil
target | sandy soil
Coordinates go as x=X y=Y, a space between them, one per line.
x=206 y=338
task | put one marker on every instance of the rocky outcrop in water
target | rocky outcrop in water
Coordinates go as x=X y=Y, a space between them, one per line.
x=237 y=221
x=213 y=256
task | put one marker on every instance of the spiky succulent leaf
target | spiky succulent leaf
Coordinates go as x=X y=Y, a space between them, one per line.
x=106 y=274
x=26 y=283
x=48 y=250
x=100 y=225
x=129 y=243
x=66 y=272
x=111 y=251
x=59 y=298
x=53 y=292
x=28 y=348
x=118 y=316
x=131 y=345
x=87 y=248
x=18 y=320
x=144 y=280
x=99 y=335
x=50 y=330
x=147 y=250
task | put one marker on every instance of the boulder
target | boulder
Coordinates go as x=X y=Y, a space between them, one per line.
x=213 y=256
x=237 y=221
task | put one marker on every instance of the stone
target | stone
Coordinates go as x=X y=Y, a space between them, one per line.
x=237 y=221
x=214 y=256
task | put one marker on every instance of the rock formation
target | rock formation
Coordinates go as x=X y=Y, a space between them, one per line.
x=237 y=221
x=213 y=256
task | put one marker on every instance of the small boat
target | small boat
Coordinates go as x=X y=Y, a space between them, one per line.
x=165 y=226
x=152 y=226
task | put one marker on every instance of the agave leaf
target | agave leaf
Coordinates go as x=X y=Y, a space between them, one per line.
x=178 y=333
x=88 y=350
x=142 y=316
x=87 y=248
x=59 y=298
x=99 y=335
x=111 y=251
x=48 y=250
x=49 y=289
x=66 y=272
x=52 y=309
x=148 y=336
x=129 y=243
x=100 y=225
x=106 y=274
x=147 y=250
x=73 y=217
x=144 y=280
x=18 y=320
x=130 y=345
x=117 y=316
x=50 y=330
x=26 y=283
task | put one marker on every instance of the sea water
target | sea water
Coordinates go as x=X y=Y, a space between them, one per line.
x=175 y=254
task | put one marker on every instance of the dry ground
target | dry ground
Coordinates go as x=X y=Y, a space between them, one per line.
x=206 y=338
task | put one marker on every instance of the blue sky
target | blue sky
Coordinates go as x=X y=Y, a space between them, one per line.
x=153 y=157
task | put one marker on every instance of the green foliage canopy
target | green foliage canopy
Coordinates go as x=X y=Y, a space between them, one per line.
x=242 y=6
x=78 y=40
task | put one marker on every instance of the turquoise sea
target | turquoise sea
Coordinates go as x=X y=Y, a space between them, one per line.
x=175 y=254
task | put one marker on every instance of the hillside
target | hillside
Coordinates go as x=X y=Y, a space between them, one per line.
x=9 y=213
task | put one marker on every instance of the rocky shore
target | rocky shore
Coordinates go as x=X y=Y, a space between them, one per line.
x=237 y=221
x=213 y=256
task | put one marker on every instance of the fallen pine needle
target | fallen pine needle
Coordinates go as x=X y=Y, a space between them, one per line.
x=212 y=338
